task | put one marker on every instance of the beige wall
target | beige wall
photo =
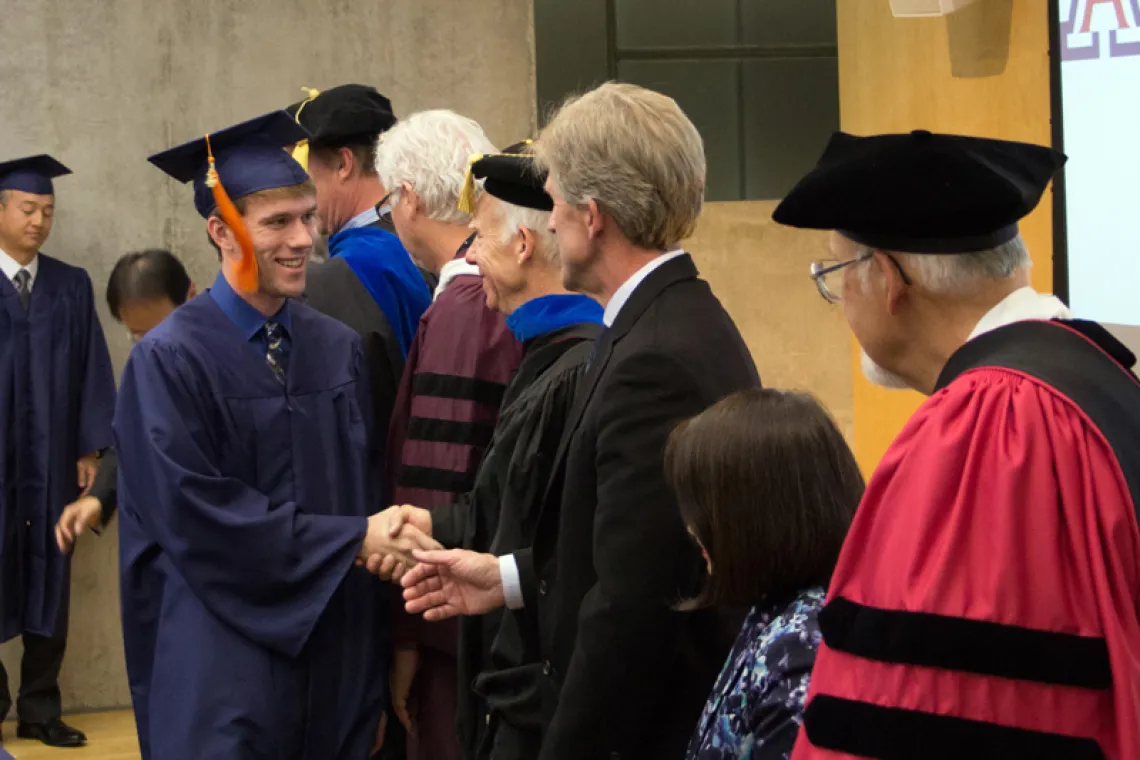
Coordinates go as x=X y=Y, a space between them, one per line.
x=101 y=84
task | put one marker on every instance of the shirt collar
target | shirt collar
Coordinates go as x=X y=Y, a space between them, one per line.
x=9 y=266
x=248 y=319
x=366 y=217
x=1021 y=305
x=622 y=294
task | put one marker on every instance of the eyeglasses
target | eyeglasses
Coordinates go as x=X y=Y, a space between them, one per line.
x=828 y=276
x=384 y=208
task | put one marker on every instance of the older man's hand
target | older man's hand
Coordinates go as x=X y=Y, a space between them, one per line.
x=449 y=583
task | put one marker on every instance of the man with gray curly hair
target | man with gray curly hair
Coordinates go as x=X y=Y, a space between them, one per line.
x=615 y=671
x=454 y=380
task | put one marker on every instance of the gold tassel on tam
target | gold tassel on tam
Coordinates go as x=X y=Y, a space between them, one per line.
x=301 y=149
x=247 y=267
x=467 y=194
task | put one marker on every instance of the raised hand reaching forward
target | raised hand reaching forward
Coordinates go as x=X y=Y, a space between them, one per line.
x=449 y=583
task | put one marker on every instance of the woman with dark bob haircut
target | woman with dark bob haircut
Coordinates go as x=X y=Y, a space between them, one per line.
x=767 y=487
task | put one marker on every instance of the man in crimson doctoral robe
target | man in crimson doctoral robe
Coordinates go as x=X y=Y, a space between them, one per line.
x=987 y=601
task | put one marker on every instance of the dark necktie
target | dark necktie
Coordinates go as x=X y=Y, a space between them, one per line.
x=23 y=282
x=275 y=352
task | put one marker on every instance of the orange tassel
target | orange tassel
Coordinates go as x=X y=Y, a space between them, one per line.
x=247 y=267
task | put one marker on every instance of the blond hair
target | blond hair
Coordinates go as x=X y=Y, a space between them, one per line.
x=635 y=153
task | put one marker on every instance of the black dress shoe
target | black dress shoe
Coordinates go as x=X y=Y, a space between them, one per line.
x=54 y=733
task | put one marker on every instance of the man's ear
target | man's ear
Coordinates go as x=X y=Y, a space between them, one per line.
x=526 y=245
x=346 y=164
x=595 y=222
x=410 y=197
x=220 y=233
x=893 y=281
x=191 y=292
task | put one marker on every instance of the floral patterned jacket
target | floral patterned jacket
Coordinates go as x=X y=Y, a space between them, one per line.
x=756 y=708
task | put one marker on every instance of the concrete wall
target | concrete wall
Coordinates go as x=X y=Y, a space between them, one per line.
x=101 y=84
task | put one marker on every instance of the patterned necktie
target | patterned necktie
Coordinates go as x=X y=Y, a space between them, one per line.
x=275 y=355
x=23 y=282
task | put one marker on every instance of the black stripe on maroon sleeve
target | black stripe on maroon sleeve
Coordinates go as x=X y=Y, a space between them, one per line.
x=458 y=387
x=436 y=479
x=891 y=733
x=969 y=646
x=450 y=431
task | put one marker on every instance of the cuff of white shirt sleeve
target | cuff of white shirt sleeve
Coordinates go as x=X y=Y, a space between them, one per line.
x=512 y=586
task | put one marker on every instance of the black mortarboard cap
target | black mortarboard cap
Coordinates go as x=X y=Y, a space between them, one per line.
x=248 y=157
x=33 y=174
x=921 y=192
x=344 y=114
x=512 y=176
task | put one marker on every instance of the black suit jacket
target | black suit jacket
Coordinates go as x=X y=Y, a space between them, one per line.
x=611 y=555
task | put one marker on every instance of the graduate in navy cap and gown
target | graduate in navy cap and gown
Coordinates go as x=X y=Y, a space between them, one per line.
x=986 y=602
x=369 y=281
x=57 y=395
x=245 y=488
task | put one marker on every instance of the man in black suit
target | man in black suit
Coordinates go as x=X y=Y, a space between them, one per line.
x=615 y=672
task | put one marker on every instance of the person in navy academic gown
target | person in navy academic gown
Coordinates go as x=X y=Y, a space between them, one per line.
x=245 y=490
x=369 y=281
x=144 y=287
x=57 y=395
x=986 y=602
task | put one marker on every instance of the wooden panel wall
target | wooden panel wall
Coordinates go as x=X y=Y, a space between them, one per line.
x=982 y=71
x=759 y=271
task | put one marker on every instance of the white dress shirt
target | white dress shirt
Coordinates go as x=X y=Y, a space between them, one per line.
x=508 y=568
x=1022 y=305
x=366 y=217
x=9 y=266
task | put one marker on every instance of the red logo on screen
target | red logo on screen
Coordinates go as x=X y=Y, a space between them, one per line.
x=1092 y=29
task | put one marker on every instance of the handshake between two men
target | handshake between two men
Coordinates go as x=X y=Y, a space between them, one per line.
x=438 y=583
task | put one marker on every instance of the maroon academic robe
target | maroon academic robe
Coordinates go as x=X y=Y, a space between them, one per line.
x=457 y=372
x=986 y=600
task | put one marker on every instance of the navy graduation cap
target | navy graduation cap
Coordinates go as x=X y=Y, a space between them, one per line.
x=249 y=157
x=33 y=174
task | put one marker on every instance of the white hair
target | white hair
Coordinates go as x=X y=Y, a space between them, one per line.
x=512 y=217
x=430 y=151
x=957 y=273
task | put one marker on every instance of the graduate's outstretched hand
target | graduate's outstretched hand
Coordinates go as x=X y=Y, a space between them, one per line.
x=86 y=468
x=449 y=583
x=406 y=514
x=77 y=517
x=390 y=557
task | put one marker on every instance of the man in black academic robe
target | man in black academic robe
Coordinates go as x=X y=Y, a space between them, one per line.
x=57 y=395
x=613 y=669
x=518 y=260
x=144 y=287
x=369 y=282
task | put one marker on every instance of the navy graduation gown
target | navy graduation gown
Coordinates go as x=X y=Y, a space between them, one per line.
x=57 y=396
x=248 y=631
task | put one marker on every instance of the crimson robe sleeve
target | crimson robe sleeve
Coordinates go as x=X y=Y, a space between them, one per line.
x=1000 y=526
x=644 y=559
x=97 y=388
x=267 y=569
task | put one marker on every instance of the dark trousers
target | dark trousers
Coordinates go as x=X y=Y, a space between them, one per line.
x=39 y=699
